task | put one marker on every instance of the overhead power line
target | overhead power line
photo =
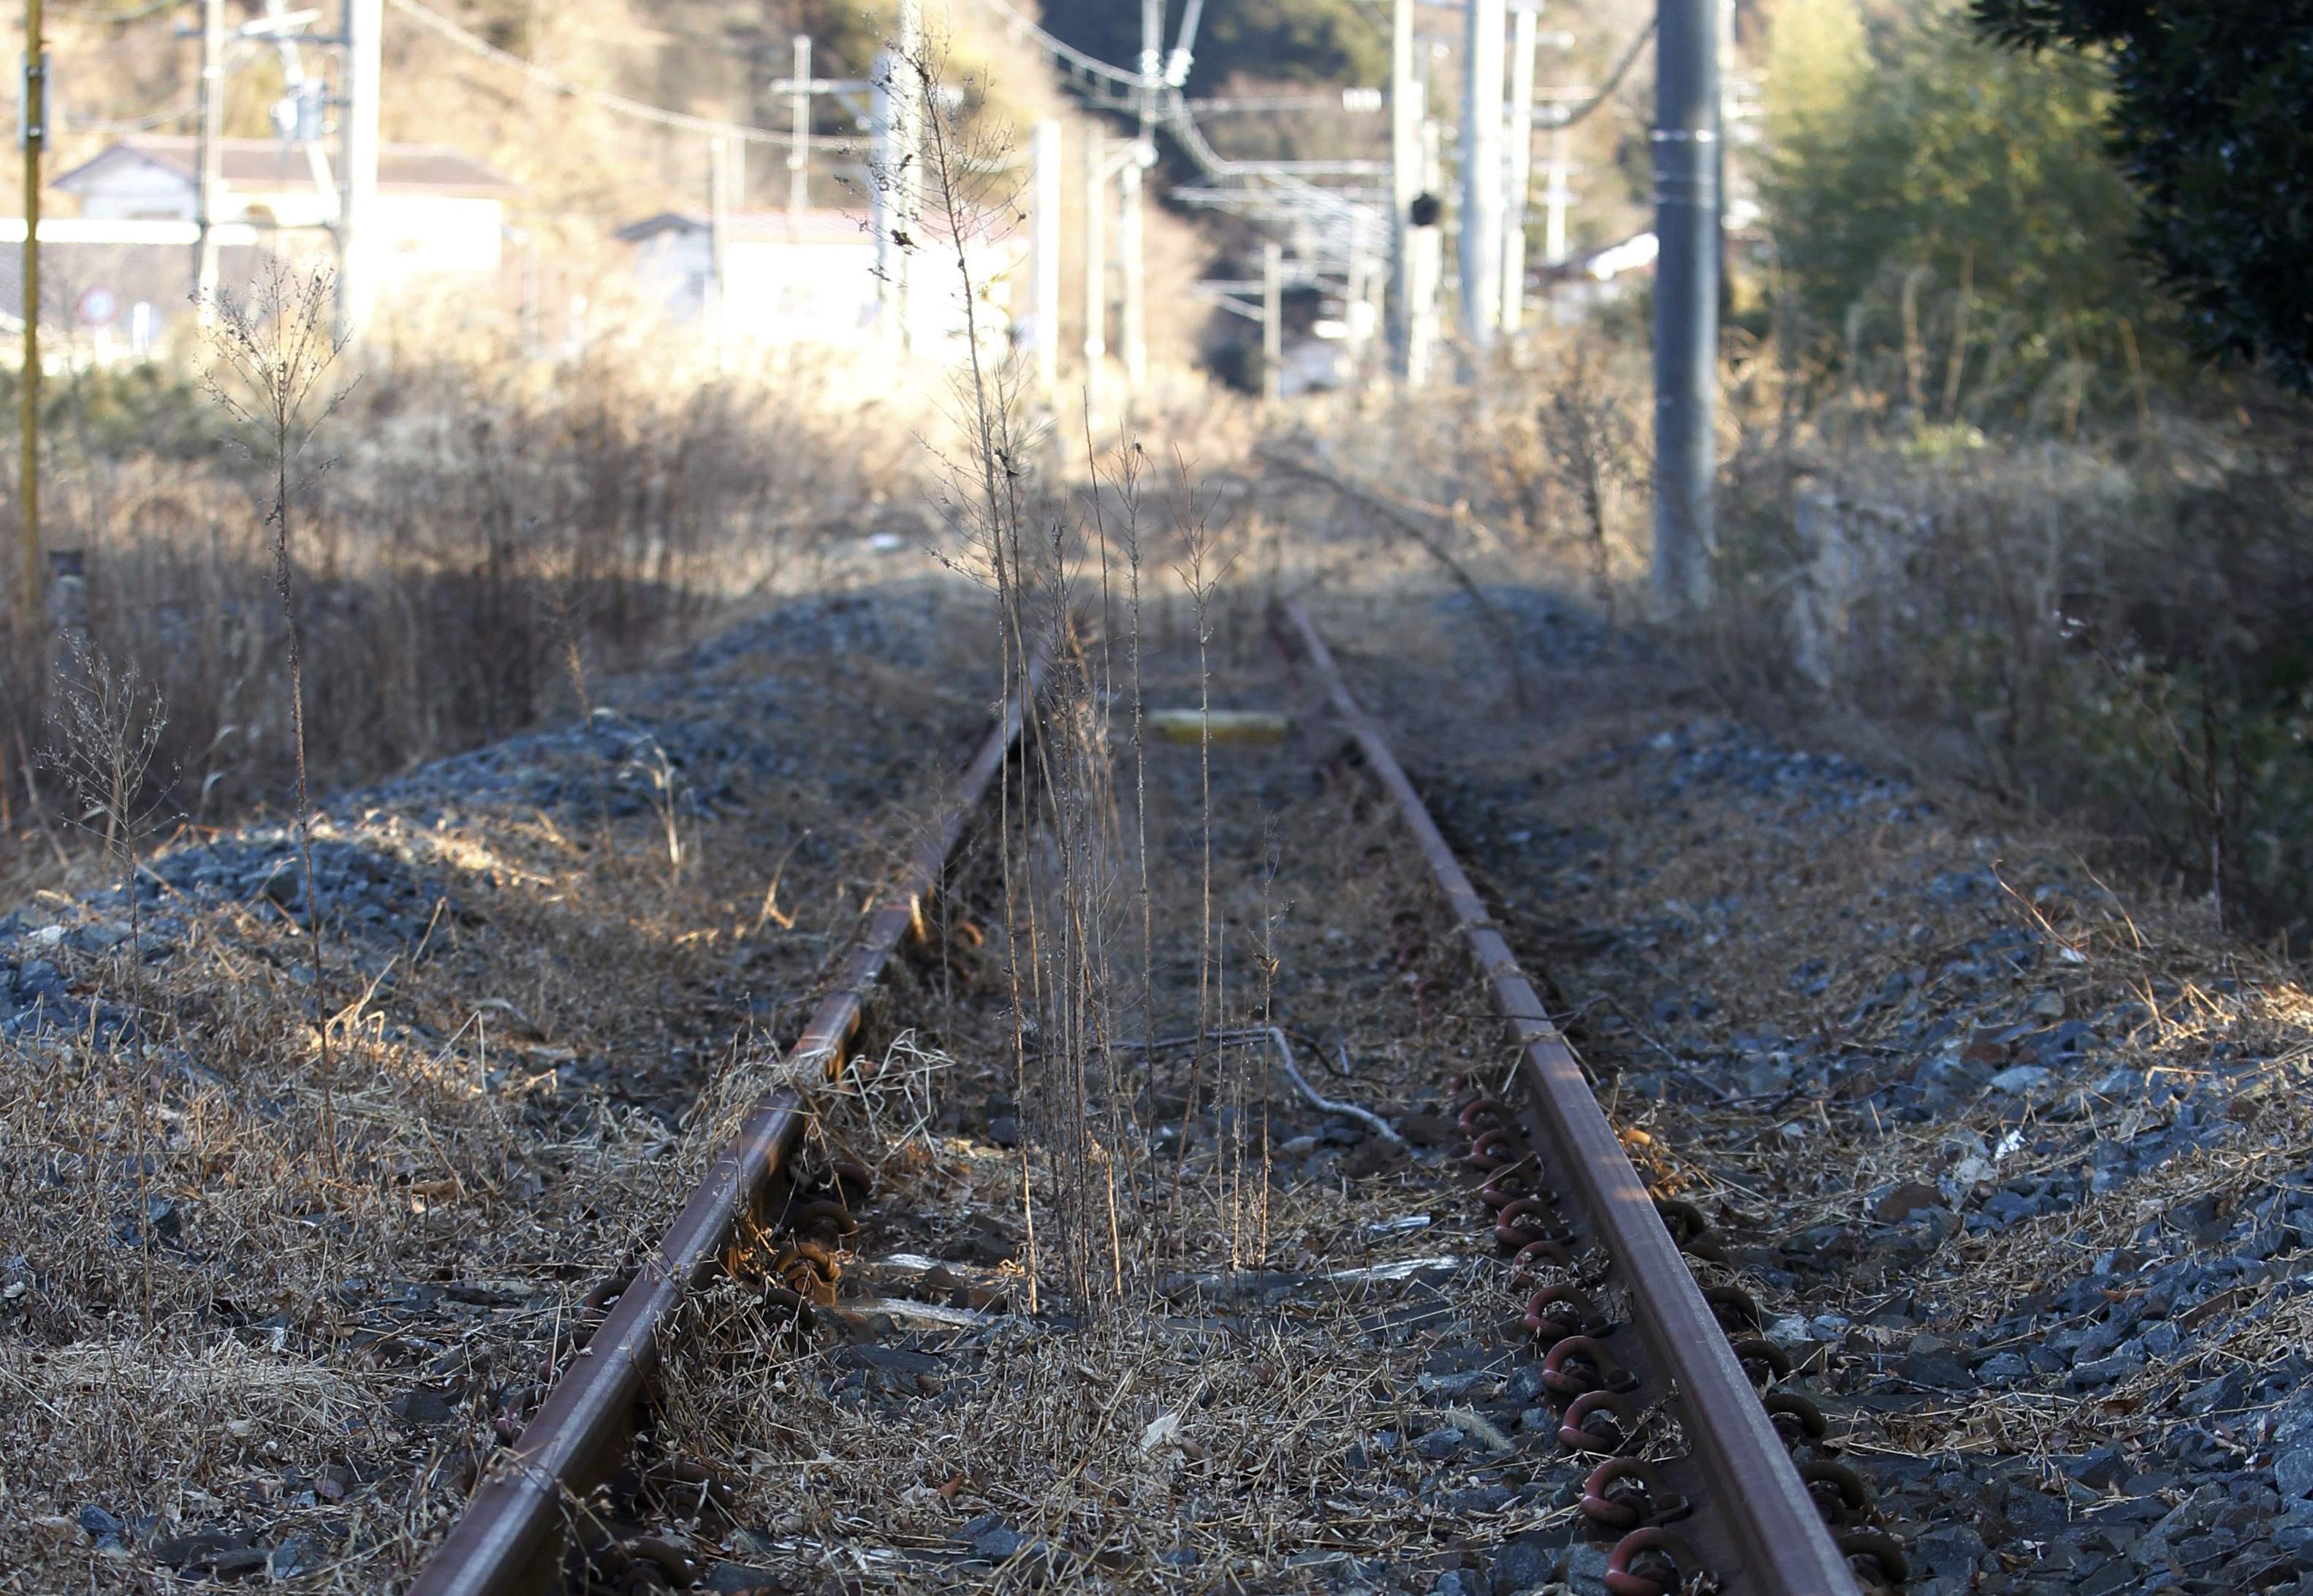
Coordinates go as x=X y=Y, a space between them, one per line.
x=1059 y=48
x=120 y=19
x=1613 y=79
x=139 y=124
x=473 y=44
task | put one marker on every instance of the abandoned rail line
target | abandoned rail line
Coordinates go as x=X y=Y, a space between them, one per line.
x=1703 y=1464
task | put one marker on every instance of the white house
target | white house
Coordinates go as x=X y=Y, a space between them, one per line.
x=438 y=210
x=810 y=279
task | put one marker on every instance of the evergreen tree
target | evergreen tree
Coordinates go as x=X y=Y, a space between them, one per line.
x=2212 y=117
x=1914 y=161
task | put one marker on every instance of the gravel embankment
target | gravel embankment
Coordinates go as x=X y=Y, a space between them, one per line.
x=268 y=1298
x=2024 y=1163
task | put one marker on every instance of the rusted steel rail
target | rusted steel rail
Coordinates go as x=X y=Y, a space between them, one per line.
x=1757 y=1526
x=509 y=1538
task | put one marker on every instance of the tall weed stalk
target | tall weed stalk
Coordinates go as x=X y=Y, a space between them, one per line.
x=271 y=358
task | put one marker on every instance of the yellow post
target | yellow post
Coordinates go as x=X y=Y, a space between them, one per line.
x=36 y=70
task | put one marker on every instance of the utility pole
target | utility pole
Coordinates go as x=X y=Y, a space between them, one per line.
x=884 y=178
x=799 y=125
x=1405 y=113
x=1524 y=37
x=1357 y=308
x=1272 y=319
x=1176 y=70
x=1133 y=267
x=209 y=182
x=1096 y=263
x=1152 y=57
x=719 y=249
x=895 y=122
x=1729 y=180
x=1482 y=172
x=912 y=94
x=1429 y=254
x=1131 y=240
x=1686 y=298
x=35 y=104
x=1554 y=200
x=1045 y=152
x=358 y=263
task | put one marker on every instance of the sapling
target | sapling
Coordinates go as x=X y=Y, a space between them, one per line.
x=105 y=724
x=270 y=356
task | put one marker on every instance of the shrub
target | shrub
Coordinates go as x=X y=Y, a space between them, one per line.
x=1948 y=229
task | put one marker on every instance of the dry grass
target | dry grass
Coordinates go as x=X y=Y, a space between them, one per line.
x=1116 y=1429
x=509 y=1096
x=460 y=542
x=1728 y=888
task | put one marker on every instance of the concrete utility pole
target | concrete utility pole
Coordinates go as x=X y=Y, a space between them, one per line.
x=1045 y=152
x=1686 y=298
x=1482 y=172
x=210 y=158
x=896 y=121
x=1555 y=201
x=884 y=178
x=912 y=110
x=1272 y=319
x=35 y=105
x=1524 y=37
x=1429 y=256
x=799 y=125
x=1131 y=234
x=1130 y=243
x=1176 y=70
x=1152 y=57
x=358 y=263
x=718 y=249
x=1405 y=113
x=1358 y=319
x=1096 y=261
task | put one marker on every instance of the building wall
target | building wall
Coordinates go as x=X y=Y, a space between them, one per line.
x=133 y=191
x=440 y=232
x=422 y=232
x=789 y=294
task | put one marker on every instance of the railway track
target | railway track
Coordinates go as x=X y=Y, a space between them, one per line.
x=506 y=1538
x=1655 y=1425
x=1558 y=1174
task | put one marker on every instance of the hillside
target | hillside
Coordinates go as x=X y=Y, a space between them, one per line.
x=584 y=170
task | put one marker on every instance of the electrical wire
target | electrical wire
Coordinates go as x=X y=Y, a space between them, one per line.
x=1061 y=49
x=1613 y=79
x=119 y=18
x=149 y=120
x=473 y=44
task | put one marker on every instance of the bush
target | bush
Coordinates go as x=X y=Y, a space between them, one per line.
x=465 y=538
x=2209 y=118
x=2119 y=635
x=1948 y=230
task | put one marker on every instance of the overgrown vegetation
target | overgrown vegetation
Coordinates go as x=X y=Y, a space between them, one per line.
x=2208 y=117
x=1947 y=225
x=1982 y=491
x=467 y=535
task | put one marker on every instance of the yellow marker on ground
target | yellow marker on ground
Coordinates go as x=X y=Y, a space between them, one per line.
x=1228 y=725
